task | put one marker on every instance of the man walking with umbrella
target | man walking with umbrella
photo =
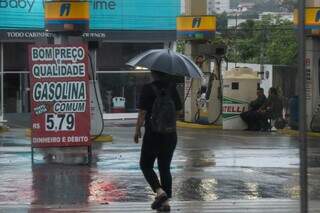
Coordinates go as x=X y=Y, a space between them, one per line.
x=160 y=144
x=159 y=103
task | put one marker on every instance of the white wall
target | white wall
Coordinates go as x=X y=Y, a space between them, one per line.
x=282 y=16
x=266 y=79
x=232 y=22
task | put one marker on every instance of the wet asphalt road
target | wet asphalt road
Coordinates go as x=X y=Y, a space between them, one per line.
x=208 y=165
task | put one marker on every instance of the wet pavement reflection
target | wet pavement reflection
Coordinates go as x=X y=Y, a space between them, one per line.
x=62 y=184
x=208 y=165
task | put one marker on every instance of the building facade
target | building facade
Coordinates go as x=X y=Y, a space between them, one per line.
x=118 y=34
x=218 y=6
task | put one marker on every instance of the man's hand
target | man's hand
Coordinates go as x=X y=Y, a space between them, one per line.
x=137 y=135
x=141 y=117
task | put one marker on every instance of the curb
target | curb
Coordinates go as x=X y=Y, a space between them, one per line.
x=219 y=206
x=100 y=139
x=182 y=124
x=4 y=129
x=104 y=139
x=28 y=133
x=289 y=132
x=295 y=133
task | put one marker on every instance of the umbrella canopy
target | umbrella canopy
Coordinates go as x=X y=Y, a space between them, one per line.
x=167 y=61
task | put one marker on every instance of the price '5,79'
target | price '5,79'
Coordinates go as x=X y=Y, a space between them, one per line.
x=60 y=122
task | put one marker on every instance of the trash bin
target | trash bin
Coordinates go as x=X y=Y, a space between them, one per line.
x=118 y=104
x=294 y=112
x=239 y=88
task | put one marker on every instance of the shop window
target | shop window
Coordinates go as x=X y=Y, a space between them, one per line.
x=235 y=86
x=120 y=91
x=16 y=94
x=16 y=81
x=113 y=56
x=15 y=56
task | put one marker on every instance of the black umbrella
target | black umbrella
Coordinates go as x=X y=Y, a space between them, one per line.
x=167 y=61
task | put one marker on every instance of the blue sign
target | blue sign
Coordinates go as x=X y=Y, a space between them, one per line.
x=104 y=14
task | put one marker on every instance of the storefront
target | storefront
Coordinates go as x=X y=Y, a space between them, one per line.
x=121 y=30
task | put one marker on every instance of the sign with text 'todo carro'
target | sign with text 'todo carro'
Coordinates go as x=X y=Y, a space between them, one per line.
x=60 y=106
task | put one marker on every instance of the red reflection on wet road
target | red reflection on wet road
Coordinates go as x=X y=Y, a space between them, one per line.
x=103 y=192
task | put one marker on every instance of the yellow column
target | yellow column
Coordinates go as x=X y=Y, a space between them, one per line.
x=312 y=68
x=312 y=3
x=196 y=7
x=193 y=8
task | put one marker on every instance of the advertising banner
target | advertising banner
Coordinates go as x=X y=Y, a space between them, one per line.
x=104 y=14
x=60 y=107
x=231 y=110
x=42 y=35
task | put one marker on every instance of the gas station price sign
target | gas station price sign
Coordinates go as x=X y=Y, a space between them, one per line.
x=59 y=83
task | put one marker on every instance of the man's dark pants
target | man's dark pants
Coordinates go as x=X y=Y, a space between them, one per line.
x=161 y=147
x=251 y=117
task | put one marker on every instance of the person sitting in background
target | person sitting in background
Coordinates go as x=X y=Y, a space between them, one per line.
x=271 y=109
x=249 y=117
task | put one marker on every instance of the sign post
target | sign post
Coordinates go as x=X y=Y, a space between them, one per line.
x=60 y=107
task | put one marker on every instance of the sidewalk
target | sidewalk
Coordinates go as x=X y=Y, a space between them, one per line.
x=221 y=206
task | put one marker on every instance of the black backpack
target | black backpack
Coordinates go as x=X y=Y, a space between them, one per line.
x=163 y=115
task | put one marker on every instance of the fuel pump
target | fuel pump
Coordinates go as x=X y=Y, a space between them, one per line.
x=197 y=29
x=313 y=82
x=59 y=18
x=97 y=123
x=312 y=68
x=209 y=100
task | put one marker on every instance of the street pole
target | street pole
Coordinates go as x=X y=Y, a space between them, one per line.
x=236 y=48
x=238 y=12
x=1 y=70
x=302 y=112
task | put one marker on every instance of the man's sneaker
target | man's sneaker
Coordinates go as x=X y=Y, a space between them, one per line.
x=159 y=200
x=164 y=208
